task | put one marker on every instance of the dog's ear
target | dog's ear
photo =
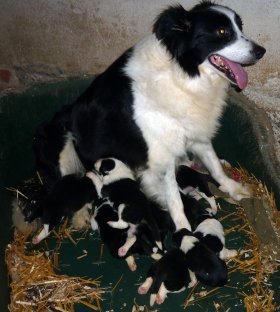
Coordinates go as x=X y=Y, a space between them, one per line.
x=175 y=20
x=174 y=28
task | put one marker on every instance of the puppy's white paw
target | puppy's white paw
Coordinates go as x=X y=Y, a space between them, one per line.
x=35 y=240
x=142 y=290
x=236 y=190
x=122 y=251
x=227 y=253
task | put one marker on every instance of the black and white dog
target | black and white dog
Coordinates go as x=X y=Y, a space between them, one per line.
x=206 y=228
x=69 y=195
x=195 y=184
x=117 y=240
x=133 y=207
x=160 y=99
x=169 y=274
x=206 y=265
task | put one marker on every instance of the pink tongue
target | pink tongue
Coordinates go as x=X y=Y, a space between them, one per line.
x=240 y=74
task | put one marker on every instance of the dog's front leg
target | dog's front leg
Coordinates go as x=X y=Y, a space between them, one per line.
x=160 y=184
x=174 y=201
x=211 y=161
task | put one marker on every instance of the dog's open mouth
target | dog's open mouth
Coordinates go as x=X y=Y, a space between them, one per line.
x=233 y=71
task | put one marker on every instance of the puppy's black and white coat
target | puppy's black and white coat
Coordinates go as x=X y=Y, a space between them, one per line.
x=117 y=240
x=206 y=228
x=160 y=99
x=207 y=267
x=69 y=195
x=195 y=184
x=133 y=207
x=169 y=274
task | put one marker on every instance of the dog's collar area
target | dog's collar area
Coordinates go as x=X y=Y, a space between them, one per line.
x=233 y=71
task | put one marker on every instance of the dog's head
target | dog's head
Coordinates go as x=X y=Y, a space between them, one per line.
x=208 y=33
x=207 y=266
x=112 y=170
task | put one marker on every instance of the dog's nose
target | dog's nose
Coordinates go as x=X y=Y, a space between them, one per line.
x=259 y=51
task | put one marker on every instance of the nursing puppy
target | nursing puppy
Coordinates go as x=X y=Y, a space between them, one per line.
x=169 y=274
x=120 y=187
x=117 y=239
x=159 y=100
x=194 y=183
x=67 y=196
x=207 y=228
x=207 y=267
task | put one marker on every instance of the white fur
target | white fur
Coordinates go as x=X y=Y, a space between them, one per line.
x=81 y=218
x=127 y=245
x=193 y=281
x=97 y=181
x=213 y=227
x=120 y=171
x=174 y=113
x=131 y=263
x=143 y=289
x=69 y=161
x=240 y=50
x=227 y=253
x=42 y=235
x=188 y=243
x=120 y=224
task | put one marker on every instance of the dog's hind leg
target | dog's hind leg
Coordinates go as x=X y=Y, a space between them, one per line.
x=162 y=293
x=42 y=235
x=131 y=263
x=144 y=288
x=126 y=246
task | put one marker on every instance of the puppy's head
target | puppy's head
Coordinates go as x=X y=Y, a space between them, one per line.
x=207 y=266
x=210 y=34
x=112 y=170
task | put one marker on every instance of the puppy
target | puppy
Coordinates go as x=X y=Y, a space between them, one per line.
x=120 y=187
x=195 y=183
x=206 y=228
x=208 y=268
x=169 y=274
x=68 y=195
x=118 y=239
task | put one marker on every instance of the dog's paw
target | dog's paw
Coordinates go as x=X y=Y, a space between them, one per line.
x=159 y=299
x=236 y=190
x=122 y=251
x=131 y=263
x=228 y=253
x=142 y=290
x=35 y=240
x=193 y=278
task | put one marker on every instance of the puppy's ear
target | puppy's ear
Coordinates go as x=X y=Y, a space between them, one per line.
x=174 y=20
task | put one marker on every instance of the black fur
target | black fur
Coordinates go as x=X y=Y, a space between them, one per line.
x=190 y=36
x=197 y=214
x=138 y=207
x=115 y=238
x=209 y=269
x=171 y=270
x=66 y=197
x=187 y=176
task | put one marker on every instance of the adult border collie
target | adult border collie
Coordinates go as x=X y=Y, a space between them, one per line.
x=160 y=99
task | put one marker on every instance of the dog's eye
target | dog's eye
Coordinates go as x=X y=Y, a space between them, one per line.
x=222 y=31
